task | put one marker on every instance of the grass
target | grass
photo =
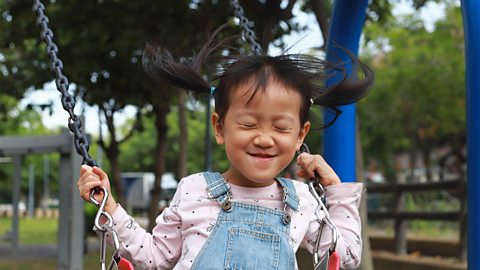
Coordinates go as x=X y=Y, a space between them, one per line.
x=32 y=231
x=38 y=231
x=418 y=229
x=90 y=261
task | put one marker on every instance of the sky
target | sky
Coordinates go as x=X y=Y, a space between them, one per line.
x=303 y=41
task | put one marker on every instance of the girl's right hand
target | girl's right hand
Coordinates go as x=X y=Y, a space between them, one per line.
x=311 y=164
x=92 y=177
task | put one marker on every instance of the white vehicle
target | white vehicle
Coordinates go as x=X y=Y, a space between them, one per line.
x=138 y=186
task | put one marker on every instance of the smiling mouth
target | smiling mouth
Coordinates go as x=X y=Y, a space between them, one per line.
x=261 y=155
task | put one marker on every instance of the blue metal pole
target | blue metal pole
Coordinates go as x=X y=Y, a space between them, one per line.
x=471 y=21
x=339 y=139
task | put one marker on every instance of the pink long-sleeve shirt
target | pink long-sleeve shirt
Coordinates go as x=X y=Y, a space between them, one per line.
x=183 y=227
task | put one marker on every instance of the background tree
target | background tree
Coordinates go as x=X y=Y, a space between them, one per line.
x=419 y=88
x=101 y=44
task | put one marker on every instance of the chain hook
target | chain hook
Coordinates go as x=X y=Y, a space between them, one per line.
x=117 y=262
x=323 y=217
x=101 y=206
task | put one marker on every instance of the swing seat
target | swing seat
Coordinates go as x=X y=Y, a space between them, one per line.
x=120 y=263
x=124 y=264
x=334 y=261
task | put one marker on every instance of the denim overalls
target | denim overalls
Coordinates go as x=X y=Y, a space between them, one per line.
x=248 y=236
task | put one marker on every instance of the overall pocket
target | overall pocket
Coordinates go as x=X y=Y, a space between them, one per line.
x=252 y=250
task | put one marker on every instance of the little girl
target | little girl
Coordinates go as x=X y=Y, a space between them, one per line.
x=247 y=217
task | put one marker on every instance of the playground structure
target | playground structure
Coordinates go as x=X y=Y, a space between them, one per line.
x=339 y=138
x=71 y=219
x=399 y=215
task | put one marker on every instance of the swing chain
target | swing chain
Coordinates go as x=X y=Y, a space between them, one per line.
x=247 y=25
x=80 y=141
x=61 y=81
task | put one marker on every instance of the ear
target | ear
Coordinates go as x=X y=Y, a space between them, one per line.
x=218 y=129
x=302 y=134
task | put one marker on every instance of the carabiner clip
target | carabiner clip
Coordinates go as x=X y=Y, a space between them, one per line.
x=330 y=260
x=101 y=206
x=117 y=261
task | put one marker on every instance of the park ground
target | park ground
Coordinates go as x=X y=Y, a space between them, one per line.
x=38 y=249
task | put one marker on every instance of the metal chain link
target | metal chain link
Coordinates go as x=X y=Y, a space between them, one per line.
x=68 y=101
x=247 y=26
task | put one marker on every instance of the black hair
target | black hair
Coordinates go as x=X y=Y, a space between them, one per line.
x=303 y=73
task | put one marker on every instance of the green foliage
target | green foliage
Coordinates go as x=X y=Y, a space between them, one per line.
x=433 y=201
x=18 y=121
x=24 y=122
x=90 y=212
x=101 y=43
x=139 y=149
x=418 y=100
x=22 y=61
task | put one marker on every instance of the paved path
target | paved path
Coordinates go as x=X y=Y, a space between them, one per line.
x=39 y=252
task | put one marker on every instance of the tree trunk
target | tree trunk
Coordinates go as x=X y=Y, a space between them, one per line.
x=115 y=174
x=367 y=261
x=426 y=151
x=413 y=158
x=268 y=15
x=113 y=151
x=159 y=166
x=322 y=10
x=183 y=136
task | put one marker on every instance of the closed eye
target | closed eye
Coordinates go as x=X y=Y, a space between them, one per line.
x=247 y=125
x=283 y=124
x=283 y=129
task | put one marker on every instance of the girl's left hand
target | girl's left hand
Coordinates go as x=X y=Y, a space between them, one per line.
x=309 y=164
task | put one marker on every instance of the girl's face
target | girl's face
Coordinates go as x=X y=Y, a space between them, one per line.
x=260 y=135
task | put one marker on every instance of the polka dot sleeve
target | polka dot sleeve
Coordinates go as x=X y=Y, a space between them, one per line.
x=343 y=201
x=157 y=250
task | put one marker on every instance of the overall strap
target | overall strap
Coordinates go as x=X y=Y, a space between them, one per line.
x=217 y=187
x=289 y=193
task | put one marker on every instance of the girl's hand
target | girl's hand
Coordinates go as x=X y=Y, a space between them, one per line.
x=309 y=164
x=92 y=177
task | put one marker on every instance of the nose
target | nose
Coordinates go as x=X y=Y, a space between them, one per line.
x=263 y=140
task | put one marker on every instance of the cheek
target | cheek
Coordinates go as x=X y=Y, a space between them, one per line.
x=298 y=144
x=233 y=140
x=289 y=143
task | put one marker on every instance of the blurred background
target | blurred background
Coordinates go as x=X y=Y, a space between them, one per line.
x=411 y=126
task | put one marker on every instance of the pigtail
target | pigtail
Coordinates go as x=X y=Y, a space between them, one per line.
x=185 y=73
x=349 y=89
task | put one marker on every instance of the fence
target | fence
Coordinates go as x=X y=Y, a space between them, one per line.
x=401 y=216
